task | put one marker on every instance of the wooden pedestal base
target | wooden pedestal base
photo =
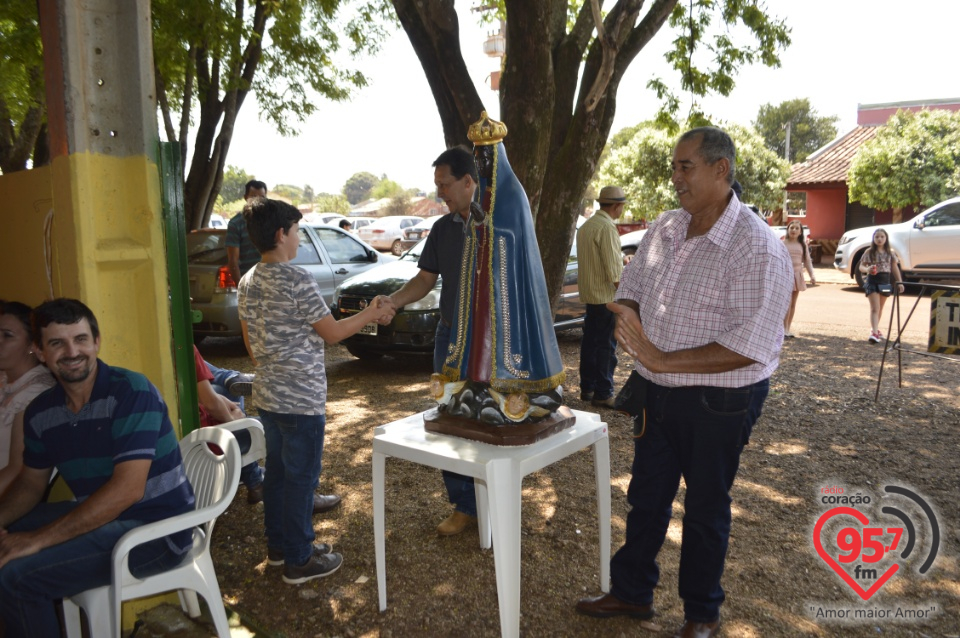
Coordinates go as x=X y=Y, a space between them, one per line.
x=512 y=434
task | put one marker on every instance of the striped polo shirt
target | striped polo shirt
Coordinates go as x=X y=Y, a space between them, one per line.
x=237 y=237
x=124 y=420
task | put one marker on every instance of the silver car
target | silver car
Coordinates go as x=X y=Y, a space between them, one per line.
x=330 y=254
x=386 y=233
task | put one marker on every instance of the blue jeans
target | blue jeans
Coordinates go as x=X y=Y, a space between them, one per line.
x=29 y=585
x=697 y=432
x=294 y=451
x=219 y=383
x=598 y=352
x=459 y=488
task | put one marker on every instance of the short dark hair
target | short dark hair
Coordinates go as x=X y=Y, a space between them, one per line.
x=254 y=184
x=715 y=145
x=265 y=217
x=62 y=310
x=460 y=162
x=16 y=309
x=344 y=223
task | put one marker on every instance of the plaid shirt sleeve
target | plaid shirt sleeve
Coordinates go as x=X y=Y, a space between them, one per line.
x=758 y=300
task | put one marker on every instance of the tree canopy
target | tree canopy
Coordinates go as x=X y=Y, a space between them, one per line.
x=914 y=160
x=234 y=183
x=22 y=96
x=560 y=78
x=808 y=131
x=641 y=166
x=386 y=188
x=210 y=55
x=327 y=203
x=358 y=187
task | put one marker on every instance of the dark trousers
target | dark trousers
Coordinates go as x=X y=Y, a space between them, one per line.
x=460 y=489
x=698 y=433
x=598 y=352
x=30 y=584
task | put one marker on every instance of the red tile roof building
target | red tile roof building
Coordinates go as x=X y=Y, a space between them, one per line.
x=823 y=176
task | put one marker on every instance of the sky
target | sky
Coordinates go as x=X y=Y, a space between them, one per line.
x=843 y=53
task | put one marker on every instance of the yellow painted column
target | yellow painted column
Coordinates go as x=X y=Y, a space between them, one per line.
x=107 y=244
x=107 y=232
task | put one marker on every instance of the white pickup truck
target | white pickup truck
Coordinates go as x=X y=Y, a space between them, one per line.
x=928 y=244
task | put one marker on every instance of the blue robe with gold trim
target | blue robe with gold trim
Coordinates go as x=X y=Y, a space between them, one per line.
x=524 y=352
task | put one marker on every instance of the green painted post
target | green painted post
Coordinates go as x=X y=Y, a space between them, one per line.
x=174 y=224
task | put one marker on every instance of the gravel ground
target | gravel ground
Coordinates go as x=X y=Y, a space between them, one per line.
x=820 y=427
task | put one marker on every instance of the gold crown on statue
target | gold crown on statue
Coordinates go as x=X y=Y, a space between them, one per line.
x=486 y=131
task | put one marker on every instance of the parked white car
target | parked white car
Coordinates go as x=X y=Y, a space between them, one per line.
x=360 y=222
x=331 y=219
x=928 y=244
x=386 y=233
x=413 y=235
x=630 y=241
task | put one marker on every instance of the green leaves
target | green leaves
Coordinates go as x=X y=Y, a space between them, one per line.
x=288 y=53
x=808 y=131
x=641 y=166
x=22 y=95
x=914 y=160
x=734 y=33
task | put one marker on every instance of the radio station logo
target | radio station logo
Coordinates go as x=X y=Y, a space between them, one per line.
x=866 y=550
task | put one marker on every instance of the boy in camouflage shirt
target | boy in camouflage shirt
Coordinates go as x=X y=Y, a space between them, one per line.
x=285 y=322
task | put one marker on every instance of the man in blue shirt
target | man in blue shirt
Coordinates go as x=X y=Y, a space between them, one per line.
x=108 y=432
x=242 y=255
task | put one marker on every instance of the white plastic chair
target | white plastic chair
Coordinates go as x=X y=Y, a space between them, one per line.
x=214 y=479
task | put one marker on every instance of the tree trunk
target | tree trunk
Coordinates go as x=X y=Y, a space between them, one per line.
x=17 y=145
x=554 y=143
x=205 y=177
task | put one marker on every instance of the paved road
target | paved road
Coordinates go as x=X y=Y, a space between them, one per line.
x=843 y=310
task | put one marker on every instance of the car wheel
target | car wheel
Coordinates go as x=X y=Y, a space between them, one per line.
x=396 y=248
x=362 y=353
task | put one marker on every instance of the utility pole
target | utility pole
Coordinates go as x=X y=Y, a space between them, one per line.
x=786 y=155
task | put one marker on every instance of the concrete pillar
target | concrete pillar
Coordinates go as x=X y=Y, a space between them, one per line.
x=107 y=232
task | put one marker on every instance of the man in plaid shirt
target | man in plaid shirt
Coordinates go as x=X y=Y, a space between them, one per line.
x=700 y=308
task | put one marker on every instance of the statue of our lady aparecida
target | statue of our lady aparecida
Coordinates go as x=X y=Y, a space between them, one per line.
x=501 y=380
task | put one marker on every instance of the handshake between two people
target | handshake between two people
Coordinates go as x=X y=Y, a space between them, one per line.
x=381 y=310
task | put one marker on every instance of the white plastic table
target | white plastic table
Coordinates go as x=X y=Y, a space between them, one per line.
x=499 y=472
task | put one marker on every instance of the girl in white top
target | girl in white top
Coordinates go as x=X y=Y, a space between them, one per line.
x=879 y=264
x=22 y=377
x=800 y=255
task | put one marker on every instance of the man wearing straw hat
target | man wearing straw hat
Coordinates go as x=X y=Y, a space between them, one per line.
x=601 y=263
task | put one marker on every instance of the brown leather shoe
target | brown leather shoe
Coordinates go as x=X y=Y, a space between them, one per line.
x=255 y=494
x=455 y=523
x=608 y=605
x=609 y=402
x=324 y=502
x=691 y=629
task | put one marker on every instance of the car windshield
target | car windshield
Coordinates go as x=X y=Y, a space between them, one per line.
x=207 y=247
x=414 y=253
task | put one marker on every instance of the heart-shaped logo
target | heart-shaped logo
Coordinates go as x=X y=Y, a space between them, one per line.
x=829 y=560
